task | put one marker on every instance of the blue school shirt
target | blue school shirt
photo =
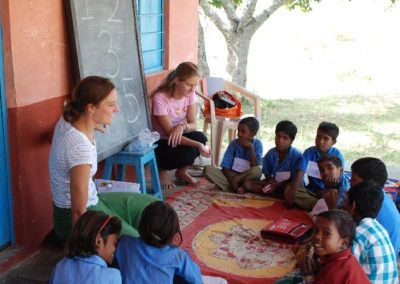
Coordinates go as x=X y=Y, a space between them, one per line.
x=292 y=163
x=140 y=262
x=235 y=150
x=342 y=187
x=389 y=218
x=84 y=270
x=314 y=154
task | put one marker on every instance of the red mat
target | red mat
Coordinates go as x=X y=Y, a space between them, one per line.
x=221 y=231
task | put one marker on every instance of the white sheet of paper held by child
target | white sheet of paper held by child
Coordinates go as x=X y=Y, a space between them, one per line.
x=312 y=170
x=240 y=165
x=282 y=176
x=319 y=207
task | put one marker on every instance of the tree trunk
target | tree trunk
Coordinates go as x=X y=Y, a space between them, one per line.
x=203 y=62
x=238 y=53
x=238 y=29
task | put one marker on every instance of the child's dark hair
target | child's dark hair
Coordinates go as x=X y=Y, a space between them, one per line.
x=252 y=124
x=370 y=169
x=83 y=238
x=330 y=129
x=332 y=158
x=159 y=224
x=90 y=90
x=368 y=198
x=343 y=222
x=287 y=127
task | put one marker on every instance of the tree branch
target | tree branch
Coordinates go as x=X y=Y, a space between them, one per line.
x=211 y=13
x=230 y=11
x=249 y=11
x=248 y=14
x=265 y=14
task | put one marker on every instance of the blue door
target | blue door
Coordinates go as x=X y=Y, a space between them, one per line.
x=6 y=235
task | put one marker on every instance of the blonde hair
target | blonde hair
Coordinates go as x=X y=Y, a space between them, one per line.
x=183 y=71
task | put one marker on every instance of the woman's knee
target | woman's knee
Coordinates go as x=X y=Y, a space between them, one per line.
x=197 y=136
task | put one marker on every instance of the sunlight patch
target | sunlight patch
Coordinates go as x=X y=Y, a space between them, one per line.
x=354 y=138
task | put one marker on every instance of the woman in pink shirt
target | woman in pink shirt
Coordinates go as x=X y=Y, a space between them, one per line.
x=174 y=110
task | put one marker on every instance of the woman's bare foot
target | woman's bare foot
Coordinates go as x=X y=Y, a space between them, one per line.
x=182 y=174
x=166 y=183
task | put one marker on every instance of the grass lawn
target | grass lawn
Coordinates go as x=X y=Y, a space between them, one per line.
x=369 y=126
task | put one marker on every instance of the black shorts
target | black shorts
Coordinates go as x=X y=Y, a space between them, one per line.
x=169 y=158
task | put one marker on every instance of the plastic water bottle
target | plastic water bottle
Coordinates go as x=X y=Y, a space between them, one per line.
x=145 y=138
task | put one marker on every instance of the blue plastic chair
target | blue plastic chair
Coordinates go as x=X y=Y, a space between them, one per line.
x=138 y=160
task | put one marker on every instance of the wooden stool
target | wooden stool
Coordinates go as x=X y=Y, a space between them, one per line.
x=138 y=160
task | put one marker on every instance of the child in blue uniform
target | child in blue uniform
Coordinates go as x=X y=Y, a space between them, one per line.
x=88 y=251
x=336 y=183
x=327 y=134
x=373 y=169
x=241 y=160
x=155 y=257
x=283 y=166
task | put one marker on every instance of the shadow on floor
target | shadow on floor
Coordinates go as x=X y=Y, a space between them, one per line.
x=38 y=267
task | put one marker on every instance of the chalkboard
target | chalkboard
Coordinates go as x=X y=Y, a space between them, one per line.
x=104 y=39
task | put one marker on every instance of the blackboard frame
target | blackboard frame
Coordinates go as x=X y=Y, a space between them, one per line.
x=78 y=74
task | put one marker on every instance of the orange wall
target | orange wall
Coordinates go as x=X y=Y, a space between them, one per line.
x=38 y=79
x=181 y=25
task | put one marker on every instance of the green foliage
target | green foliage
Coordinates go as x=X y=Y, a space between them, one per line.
x=220 y=3
x=303 y=5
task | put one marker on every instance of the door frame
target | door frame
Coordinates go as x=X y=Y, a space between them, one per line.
x=7 y=219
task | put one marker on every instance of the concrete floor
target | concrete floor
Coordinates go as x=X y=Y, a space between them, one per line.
x=36 y=269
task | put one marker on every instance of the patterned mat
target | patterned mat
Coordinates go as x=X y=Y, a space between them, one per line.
x=221 y=231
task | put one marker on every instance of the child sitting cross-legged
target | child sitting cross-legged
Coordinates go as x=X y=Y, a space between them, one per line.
x=333 y=261
x=336 y=183
x=155 y=257
x=327 y=134
x=371 y=245
x=89 y=250
x=241 y=160
x=283 y=166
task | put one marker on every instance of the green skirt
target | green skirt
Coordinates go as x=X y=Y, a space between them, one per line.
x=127 y=206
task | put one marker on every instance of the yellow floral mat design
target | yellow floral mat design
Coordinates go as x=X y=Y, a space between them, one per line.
x=235 y=247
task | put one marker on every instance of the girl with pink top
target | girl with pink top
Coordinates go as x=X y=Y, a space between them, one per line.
x=174 y=110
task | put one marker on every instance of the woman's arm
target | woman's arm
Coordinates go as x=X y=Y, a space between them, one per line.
x=191 y=118
x=189 y=124
x=79 y=177
x=174 y=134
